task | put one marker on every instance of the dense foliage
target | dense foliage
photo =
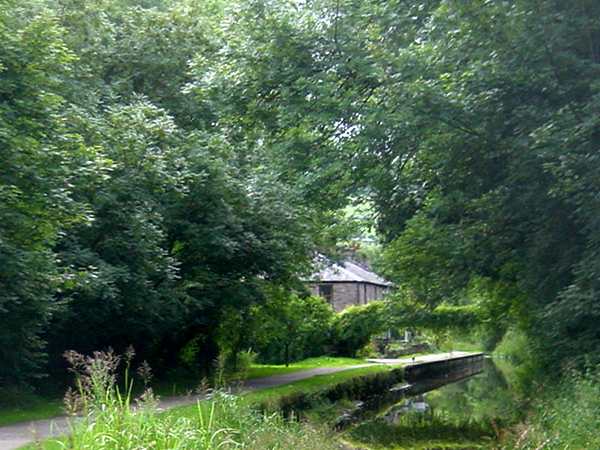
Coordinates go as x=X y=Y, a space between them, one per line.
x=471 y=126
x=355 y=326
x=164 y=163
x=127 y=216
x=288 y=328
x=40 y=160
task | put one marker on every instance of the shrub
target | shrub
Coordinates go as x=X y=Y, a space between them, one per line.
x=188 y=355
x=236 y=365
x=368 y=351
x=355 y=326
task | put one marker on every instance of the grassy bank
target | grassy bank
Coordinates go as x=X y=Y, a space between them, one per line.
x=224 y=421
x=24 y=407
x=565 y=416
x=272 y=396
x=33 y=409
x=227 y=423
x=265 y=370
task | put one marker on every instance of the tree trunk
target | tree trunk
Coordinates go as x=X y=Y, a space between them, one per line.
x=287 y=354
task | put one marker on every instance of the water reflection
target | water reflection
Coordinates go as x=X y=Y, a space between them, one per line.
x=483 y=398
x=454 y=414
x=463 y=395
x=416 y=405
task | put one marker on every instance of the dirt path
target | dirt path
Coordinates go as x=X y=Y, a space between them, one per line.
x=20 y=434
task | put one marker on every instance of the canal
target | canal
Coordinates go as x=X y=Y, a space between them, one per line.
x=466 y=409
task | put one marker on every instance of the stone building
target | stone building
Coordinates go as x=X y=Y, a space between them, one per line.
x=348 y=284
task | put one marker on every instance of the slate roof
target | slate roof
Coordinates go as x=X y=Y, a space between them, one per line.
x=348 y=272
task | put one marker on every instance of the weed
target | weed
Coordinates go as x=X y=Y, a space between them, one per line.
x=223 y=421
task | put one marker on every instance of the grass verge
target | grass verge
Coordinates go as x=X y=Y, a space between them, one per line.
x=224 y=422
x=34 y=409
x=227 y=424
x=28 y=407
x=266 y=370
x=274 y=394
x=563 y=416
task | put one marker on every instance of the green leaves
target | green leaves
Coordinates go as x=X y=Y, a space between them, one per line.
x=491 y=201
x=36 y=198
x=355 y=326
x=469 y=125
x=288 y=328
x=126 y=212
x=178 y=158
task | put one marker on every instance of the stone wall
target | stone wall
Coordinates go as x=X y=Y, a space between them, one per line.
x=345 y=295
x=430 y=369
x=350 y=294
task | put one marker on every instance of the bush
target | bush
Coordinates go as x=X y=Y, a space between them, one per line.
x=188 y=355
x=236 y=365
x=289 y=328
x=368 y=351
x=354 y=327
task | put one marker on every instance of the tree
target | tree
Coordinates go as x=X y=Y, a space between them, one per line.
x=182 y=233
x=471 y=126
x=126 y=291
x=39 y=160
x=288 y=328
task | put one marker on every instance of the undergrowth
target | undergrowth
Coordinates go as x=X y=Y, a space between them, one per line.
x=111 y=419
x=566 y=416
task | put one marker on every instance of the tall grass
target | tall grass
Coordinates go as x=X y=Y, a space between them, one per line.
x=111 y=420
x=566 y=417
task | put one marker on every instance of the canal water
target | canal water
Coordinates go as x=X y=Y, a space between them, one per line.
x=463 y=410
